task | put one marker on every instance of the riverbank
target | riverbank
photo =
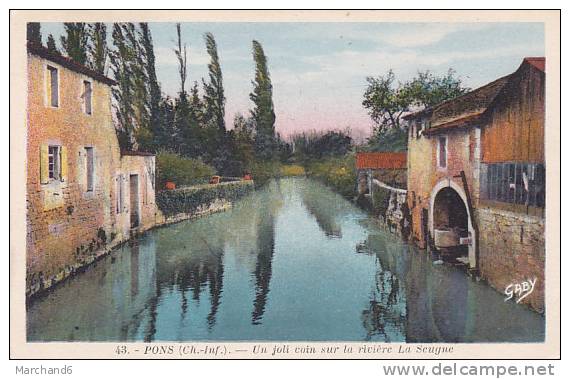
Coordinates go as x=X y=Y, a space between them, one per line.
x=172 y=206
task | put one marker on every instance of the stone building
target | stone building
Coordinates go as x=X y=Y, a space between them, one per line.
x=83 y=195
x=476 y=179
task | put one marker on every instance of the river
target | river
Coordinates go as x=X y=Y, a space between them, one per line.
x=292 y=261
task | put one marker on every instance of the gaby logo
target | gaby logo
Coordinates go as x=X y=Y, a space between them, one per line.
x=520 y=290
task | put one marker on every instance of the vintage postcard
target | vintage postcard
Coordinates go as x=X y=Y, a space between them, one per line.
x=285 y=184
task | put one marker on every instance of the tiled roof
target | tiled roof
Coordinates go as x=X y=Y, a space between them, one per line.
x=470 y=105
x=538 y=62
x=43 y=52
x=386 y=160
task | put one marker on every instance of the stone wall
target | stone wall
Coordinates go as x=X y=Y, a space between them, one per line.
x=194 y=201
x=512 y=250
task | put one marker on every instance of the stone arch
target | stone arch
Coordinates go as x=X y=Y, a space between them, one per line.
x=447 y=184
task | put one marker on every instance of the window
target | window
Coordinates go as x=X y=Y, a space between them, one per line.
x=90 y=167
x=515 y=183
x=54 y=162
x=53 y=88
x=87 y=97
x=442 y=152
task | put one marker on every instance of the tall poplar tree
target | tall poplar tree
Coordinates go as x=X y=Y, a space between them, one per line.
x=121 y=59
x=263 y=112
x=97 y=49
x=154 y=92
x=182 y=127
x=215 y=99
x=75 y=41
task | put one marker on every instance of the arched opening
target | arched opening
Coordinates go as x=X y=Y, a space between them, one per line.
x=450 y=222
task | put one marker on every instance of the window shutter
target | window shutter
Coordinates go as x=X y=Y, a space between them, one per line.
x=63 y=163
x=44 y=164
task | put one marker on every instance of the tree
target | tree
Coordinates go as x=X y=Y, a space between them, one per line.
x=51 y=45
x=75 y=41
x=263 y=113
x=214 y=97
x=181 y=55
x=97 y=48
x=154 y=92
x=33 y=32
x=122 y=58
x=214 y=109
x=243 y=136
x=427 y=89
x=387 y=101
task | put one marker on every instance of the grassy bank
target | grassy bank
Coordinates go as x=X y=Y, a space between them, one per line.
x=339 y=173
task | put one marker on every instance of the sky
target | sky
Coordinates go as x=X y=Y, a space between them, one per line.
x=319 y=70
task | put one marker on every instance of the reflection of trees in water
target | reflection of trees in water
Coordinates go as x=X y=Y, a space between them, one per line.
x=263 y=267
x=322 y=206
x=269 y=206
x=189 y=265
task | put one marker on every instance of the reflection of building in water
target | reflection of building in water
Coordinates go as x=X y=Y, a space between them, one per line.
x=440 y=301
x=107 y=302
x=386 y=315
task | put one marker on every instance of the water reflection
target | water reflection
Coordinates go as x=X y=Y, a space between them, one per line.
x=293 y=261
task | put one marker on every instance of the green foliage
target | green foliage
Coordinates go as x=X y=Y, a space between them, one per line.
x=97 y=48
x=427 y=89
x=243 y=140
x=314 y=145
x=263 y=171
x=390 y=140
x=75 y=41
x=182 y=171
x=188 y=200
x=33 y=32
x=387 y=100
x=338 y=173
x=51 y=45
x=123 y=57
x=214 y=98
x=263 y=113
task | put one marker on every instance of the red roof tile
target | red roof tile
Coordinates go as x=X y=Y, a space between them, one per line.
x=387 y=160
x=538 y=62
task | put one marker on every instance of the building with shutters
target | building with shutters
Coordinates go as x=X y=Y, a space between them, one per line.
x=476 y=179
x=84 y=196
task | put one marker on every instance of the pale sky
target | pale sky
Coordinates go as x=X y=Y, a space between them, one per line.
x=319 y=69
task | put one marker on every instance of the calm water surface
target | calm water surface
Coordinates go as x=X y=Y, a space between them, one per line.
x=292 y=261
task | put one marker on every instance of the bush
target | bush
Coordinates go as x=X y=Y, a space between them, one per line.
x=337 y=173
x=263 y=171
x=172 y=167
x=188 y=200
